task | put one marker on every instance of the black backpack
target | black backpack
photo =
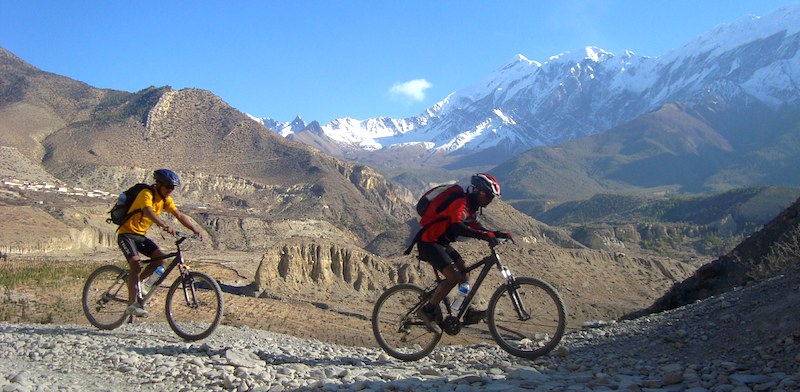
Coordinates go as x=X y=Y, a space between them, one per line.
x=119 y=212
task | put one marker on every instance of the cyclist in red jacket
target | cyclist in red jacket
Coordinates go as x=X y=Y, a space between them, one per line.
x=457 y=219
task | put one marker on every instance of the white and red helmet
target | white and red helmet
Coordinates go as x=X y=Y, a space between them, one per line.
x=486 y=182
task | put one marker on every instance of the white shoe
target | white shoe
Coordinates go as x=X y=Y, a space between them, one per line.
x=136 y=310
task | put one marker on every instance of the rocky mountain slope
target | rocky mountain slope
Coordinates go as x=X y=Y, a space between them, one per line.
x=281 y=214
x=669 y=224
x=674 y=149
x=771 y=251
x=108 y=140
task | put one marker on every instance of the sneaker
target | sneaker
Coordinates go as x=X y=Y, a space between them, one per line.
x=136 y=309
x=472 y=316
x=430 y=319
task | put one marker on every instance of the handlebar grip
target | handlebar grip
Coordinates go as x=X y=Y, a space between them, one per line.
x=184 y=235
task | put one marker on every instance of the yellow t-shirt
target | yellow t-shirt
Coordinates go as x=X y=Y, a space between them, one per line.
x=139 y=223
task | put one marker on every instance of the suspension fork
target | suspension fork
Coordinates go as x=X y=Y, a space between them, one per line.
x=512 y=286
x=187 y=283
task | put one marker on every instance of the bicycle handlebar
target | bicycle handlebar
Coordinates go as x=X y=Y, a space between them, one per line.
x=505 y=241
x=183 y=236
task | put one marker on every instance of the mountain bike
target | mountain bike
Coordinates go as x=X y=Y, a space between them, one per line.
x=193 y=301
x=526 y=316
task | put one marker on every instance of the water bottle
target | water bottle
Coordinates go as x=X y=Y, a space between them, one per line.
x=463 y=289
x=152 y=279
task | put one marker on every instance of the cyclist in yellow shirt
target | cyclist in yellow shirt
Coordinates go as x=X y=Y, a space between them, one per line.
x=132 y=240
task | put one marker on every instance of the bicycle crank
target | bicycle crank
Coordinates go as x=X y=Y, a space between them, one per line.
x=451 y=325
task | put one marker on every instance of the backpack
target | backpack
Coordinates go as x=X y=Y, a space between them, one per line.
x=436 y=200
x=433 y=202
x=119 y=212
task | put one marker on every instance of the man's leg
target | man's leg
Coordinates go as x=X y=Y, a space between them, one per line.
x=452 y=277
x=431 y=313
x=134 y=307
x=133 y=278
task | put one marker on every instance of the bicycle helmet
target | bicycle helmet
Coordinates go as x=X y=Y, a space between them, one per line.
x=167 y=177
x=486 y=182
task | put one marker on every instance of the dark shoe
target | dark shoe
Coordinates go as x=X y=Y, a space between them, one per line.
x=430 y=319
x=472 y=316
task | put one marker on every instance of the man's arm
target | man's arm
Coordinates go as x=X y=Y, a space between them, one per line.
x=148 y=212
x=186 y=223
x=461 y=228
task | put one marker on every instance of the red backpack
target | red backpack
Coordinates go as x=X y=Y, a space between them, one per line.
x=433 y=202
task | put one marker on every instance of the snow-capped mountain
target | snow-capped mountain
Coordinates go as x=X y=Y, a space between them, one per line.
x=526 y=103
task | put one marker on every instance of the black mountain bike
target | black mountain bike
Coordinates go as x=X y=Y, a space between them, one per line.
x=526 y=316
x=193 y=302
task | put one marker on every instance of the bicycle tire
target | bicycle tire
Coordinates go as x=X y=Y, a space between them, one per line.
x=396 y=327
x=194 y=306
x=535 y=336
x=105 y=297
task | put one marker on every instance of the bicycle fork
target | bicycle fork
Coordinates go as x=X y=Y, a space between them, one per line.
x=189 y=293
x=512 y=286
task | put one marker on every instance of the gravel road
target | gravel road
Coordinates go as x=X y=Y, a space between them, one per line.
x=745 y=340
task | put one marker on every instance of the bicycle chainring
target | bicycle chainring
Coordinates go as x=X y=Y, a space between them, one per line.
x=451 y=325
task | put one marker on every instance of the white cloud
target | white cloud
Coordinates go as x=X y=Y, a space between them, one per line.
x=413 y=90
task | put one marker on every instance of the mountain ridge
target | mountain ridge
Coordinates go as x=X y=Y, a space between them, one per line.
x=526 y=104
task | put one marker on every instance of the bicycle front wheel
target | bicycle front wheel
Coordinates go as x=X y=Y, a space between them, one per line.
x=194 y=306
x=527 y=321
x=105 y=297
x=396 y=326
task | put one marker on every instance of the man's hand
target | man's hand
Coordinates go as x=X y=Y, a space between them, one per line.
x=504 y=234
x=169 y=229
x=491 y=239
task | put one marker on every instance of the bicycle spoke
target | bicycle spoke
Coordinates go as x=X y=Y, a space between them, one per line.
x=529 y=321
x=105 y=297
x=194 y=306
x=397 y=328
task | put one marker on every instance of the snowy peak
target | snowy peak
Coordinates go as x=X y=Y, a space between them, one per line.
x=525 y=103
x=751 y=28
x=591 y=53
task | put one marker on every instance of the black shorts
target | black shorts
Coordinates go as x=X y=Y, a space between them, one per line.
x=440 y=256
x=133 y=244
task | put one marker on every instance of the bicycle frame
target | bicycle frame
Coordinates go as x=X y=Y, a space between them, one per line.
x=176 y=262
x=488 y=262
x=193 y=303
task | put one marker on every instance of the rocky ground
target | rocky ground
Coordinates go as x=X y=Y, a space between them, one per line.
x=744 y=340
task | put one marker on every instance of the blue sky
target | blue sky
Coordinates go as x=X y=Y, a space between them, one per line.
x=323 y=60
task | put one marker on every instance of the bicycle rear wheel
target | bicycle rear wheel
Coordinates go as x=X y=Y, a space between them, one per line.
x=527 y=321
x=105 y=297
x=194 y=306
x=396 y=326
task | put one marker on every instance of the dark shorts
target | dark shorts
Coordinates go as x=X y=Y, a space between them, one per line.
x=133 y=244
x=440 y=256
